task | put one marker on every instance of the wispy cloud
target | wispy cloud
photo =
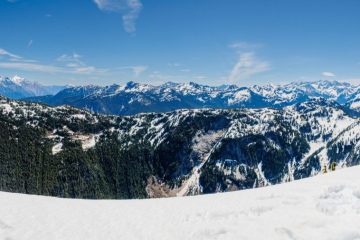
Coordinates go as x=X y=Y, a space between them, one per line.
x=16 y=62
x=129 y=9
x=157 y=77
x=30 y=43
x=130 y=18
x=137 y=70
x=73 y=60
x=175 y=65
x=88 y=70
x=76 y=65
x=328 y=74
x=179 y=67
x=199 y=77
x=247 y=66
x=245 y=46
x=33 y=67
x=248 y=63
x=37 y=67
x=5 y=53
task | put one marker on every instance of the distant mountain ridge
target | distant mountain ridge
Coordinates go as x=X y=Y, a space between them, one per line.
x=133 y=98
x=18 y=87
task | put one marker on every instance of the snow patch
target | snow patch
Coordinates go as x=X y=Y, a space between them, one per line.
x=57 y=148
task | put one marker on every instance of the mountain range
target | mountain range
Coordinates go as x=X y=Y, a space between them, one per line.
x=133 y=98
x=68 y=152
x=18 y=87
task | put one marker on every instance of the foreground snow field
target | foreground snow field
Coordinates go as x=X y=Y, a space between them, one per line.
x=322 y=207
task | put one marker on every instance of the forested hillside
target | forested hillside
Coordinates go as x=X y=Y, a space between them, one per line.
x=67 y=152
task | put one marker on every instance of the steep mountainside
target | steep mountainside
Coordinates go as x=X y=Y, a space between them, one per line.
x=67 y=152
x=17 y=88
x=135 y=98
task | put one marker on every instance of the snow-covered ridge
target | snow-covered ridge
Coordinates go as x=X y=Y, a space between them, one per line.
x=287 y=92
x=37 y=114
x=248 y=147
x=133 y=98
x=325 y=207
x=18 y=87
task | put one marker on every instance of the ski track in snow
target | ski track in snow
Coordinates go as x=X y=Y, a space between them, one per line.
x=322 y=207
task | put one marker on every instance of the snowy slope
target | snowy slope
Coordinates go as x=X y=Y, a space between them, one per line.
x=213 y=150
x=133 y=98
x=322 y=207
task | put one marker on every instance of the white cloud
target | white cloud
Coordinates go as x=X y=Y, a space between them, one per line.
x=328 y=74
x=13 y=57
x=200 y=77
x=156 y=77
x=33 y=67
x=74 y=64
x=89 y=70
x=248 y=63
x=74 y=59
x=244 y=45
x=22 y=60
x=247 y=66
x=130 y=18
x=5 y=53
x=130 y=10
x=175 y=65
x=69 y=58
x=137 y=70
x=37 y=67
x=180 y=67
x=30 y=43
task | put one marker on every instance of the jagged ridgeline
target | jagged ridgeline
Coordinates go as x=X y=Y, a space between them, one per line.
x=67 y=152
x=133 y=98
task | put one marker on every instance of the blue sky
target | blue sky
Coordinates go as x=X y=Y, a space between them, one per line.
x=207 y=41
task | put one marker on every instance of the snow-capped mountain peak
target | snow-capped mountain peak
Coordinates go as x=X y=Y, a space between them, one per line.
x=135 y=97
x=18 y=87
x=18 y=80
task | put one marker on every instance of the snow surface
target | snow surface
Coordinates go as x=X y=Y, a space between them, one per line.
x=355 y=105
x=57 y=148
x=322 y=207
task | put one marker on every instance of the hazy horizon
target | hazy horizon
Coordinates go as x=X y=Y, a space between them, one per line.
x=210 y=42
x=121 y=83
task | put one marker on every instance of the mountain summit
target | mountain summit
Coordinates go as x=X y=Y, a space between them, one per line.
x=18 y=87
x=133 y=98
